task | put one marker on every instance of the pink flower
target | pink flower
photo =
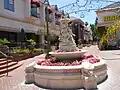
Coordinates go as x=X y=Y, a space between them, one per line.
x=87 y=56
x=94 y=60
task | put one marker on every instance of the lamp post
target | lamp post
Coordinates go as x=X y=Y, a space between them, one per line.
x=47 y=26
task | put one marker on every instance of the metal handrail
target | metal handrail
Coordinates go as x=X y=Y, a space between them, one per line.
x=6 y=56
x=3 y=54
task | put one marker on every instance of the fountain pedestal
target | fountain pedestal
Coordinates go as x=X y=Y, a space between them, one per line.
x=66 y=77
x=68 y=55
x=90 y=82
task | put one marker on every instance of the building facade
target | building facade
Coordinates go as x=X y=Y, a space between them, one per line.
x=83 y=34
x=108 y=15
x=16 y=15
x=28 y=15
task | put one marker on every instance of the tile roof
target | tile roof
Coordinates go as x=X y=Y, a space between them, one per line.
x=112 y=6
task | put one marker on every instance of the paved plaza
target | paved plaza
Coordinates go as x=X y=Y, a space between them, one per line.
x=16 y=78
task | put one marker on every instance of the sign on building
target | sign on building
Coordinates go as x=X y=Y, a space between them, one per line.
x=111 y=18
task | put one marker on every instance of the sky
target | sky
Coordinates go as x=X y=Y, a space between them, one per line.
x=89 y=17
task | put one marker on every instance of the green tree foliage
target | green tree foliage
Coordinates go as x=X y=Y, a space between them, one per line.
x=4 y=41
x=110 y=35
x=96 y=21
x=31 y=42
x=94 y=29
x=86 y=23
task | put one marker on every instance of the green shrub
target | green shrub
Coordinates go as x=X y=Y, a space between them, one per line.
x=27 y=51
x=31 y=42
x=22 y=51
x=4 y=41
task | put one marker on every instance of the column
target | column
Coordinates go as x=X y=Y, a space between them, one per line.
x=2 y=7
x=82 y=35
x=41 y=41
x=27 y=8
x=53 y=18
x=79 y=36
x=42 y=14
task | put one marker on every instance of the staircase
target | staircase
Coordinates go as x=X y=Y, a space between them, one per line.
x=7 y=65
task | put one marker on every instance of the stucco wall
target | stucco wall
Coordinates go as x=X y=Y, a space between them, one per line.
x=102 y=14
x=16 y=24
x=18 y=7
x=22 y=10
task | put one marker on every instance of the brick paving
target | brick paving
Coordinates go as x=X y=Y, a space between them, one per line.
x=16 y=79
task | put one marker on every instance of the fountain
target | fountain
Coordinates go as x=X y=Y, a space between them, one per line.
x=68 y=67
x=67 y=45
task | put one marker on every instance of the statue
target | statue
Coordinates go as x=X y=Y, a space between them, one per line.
x=67 y=43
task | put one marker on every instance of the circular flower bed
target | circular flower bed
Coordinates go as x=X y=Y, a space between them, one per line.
x=52 y=61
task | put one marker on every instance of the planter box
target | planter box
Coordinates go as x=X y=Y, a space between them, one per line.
x=24 y=56
x=19 y=58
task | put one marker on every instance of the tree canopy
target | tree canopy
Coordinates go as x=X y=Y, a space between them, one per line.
x=111 y=33
x=94 y=29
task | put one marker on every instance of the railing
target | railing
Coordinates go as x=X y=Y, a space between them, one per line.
x=6 y=56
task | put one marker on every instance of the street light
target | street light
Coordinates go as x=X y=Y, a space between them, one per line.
x=47 y=25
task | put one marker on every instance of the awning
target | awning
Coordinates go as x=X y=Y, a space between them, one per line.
x=58 y=14
x=11 y=29
x=104 y=24
x=36 y=2
x=50 y=10
x=77 y=20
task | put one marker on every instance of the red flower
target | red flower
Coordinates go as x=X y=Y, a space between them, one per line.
x=94 y=60
x=49 y=10
x=86 y=56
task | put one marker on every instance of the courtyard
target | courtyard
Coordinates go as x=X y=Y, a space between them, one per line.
x=56 y=44
x=16 y=78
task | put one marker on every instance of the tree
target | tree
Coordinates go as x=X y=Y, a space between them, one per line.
x=94 y=29
x=86 y=23
x=96 y=21
x=111 y=34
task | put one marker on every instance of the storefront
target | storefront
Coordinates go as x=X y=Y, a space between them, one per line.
x=77 y=29
x=107 y=16
x=11 y=29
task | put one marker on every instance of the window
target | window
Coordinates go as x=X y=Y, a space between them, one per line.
x=34 y=10
x=9 y=4
x=35 y=5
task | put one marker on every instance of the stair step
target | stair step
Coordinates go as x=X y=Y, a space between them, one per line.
x=5 y=62
x=2 y=75
x=2 y=59
x=9 y=65
x=2 y=71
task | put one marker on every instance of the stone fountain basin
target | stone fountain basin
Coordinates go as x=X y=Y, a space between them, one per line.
x=68 y=55
x=65 y=77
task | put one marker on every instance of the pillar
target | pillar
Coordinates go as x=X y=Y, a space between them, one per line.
x=53 y=18
x=42 y=14
x=82 y=35
x=2 y=7
x=27 y=8
x=41 y=41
